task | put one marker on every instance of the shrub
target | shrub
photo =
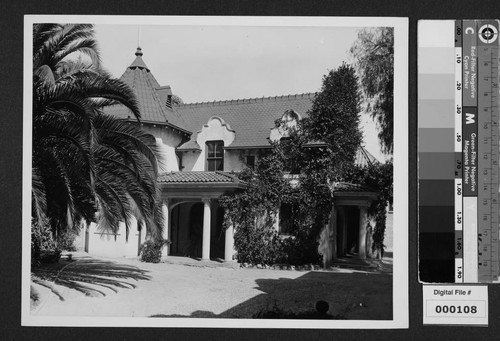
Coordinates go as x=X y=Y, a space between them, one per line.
x=256 y=245
x=302 y=250
x=66 y=240
x=43 y=247
x=151 y=250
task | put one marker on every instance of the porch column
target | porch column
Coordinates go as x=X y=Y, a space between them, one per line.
x=333 y=233
x=206 y=229
x=166 y=226
x=229 y=244
x=363 y=221
x=277 y=221
x=86 y=236
x=343 y=231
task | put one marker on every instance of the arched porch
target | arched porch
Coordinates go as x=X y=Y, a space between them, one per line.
x=193 y=221
x=348 y=228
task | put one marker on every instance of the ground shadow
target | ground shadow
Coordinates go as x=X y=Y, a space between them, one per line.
x=86 y=275
x=199 y=259
x=349 y=296
x=196 y=314
x=354 y=263
x=356 y=296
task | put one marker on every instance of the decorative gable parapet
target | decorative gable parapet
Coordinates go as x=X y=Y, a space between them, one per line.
x=216 y=129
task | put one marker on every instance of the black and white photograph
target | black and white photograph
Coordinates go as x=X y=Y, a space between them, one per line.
x=215 y=172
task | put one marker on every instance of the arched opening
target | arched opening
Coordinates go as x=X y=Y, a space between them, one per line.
x=186 y=232
x=186 y=229
x=218 y=235
x=347 y=231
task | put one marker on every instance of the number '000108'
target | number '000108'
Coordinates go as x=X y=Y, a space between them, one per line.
x=445 y=309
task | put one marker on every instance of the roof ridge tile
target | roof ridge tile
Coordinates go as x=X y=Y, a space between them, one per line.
x=249 y=100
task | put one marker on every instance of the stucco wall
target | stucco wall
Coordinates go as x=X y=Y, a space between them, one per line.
x=193 y=161
x=234 y=160
x=108 y=245
x=167 y=140
x=169 y=136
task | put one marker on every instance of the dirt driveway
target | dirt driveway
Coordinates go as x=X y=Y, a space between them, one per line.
x=126 y=287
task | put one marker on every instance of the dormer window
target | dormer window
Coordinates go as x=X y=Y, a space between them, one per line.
x=215 y=155
x=169 y=101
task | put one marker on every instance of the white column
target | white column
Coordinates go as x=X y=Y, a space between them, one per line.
x=93 y=238
x=86 y=236
x=363 y=221
x=166 y=226
x=343 y=229
x=206 y=229
x=229 y=244
x=333 y=235
x=277 y=221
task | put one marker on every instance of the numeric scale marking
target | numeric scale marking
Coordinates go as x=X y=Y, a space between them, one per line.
x=477 y=149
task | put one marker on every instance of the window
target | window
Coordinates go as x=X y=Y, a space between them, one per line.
x=251 y=161
x=289 y=215
x=215 y=156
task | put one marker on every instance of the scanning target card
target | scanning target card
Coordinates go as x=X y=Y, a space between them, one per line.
x=458 y=147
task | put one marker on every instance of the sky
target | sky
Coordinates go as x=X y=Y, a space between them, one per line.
x=209 y=62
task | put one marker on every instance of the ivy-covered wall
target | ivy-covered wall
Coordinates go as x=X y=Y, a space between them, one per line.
x=317 y=151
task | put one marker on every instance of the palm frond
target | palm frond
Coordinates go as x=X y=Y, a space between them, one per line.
x=38 y=199
x=42 y=33
x=85 y=46
x=99 y=87
x=44 y=74
x=115 y=132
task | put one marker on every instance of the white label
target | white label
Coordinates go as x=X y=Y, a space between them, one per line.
x=455 y=304
x=470 y=256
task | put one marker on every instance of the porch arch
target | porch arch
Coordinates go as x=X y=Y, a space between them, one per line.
x=184 y=193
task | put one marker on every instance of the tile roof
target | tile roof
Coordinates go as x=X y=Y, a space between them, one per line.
x=190 y=145
x=150 y=96
x=252 y=119
x=197 y=177
x=350 y=187
x=363 y=158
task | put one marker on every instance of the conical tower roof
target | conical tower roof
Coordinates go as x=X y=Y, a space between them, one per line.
x=148 y=92
x=138 y=62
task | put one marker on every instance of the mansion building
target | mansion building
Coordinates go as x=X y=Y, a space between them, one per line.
x=203 y=145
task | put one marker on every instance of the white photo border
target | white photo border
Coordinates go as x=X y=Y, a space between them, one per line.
x=400 y=265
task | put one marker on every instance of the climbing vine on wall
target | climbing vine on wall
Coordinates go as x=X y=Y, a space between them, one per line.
x=252 y=213
x=378 y=176
x=298 y=171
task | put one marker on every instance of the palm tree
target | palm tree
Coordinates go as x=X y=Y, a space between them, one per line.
x=86 y=165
